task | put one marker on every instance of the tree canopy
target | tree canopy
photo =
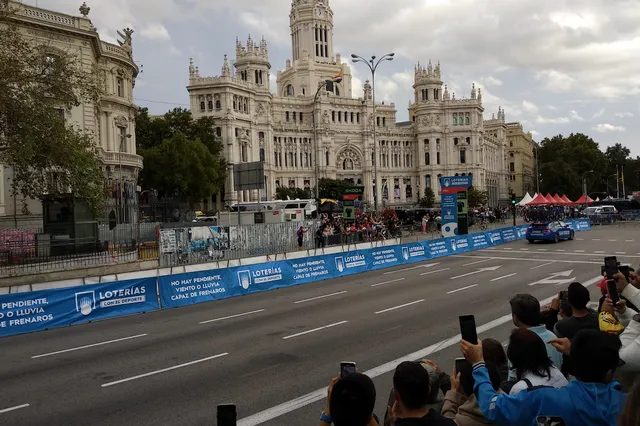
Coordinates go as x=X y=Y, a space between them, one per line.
x=39 y=84
x=429 y=199
x=564 y=161
x=283 y=192
x=182 y=156
x=332 y=188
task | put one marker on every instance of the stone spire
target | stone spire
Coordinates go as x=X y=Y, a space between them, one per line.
x=226 y=69
x=473 y=91
x=192 y=69
x=445 y=96
x=479 y=95
x=84 y=9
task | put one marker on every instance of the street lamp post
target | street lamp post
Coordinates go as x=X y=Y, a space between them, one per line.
x=584 y=184
x=608 y=186
x=537 y=170
x=123 y=137
x=322 y=85
x=373 y=65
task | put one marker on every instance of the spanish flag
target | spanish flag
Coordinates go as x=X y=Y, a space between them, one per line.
x=337 y=78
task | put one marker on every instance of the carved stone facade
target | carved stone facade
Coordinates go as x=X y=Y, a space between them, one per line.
x=521 y=167
x=111 y=122
x=446 y=136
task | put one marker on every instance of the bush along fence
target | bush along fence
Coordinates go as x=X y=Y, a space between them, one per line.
x=44 y=309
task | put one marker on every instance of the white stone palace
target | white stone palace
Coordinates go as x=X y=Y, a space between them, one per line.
x=446 y=136
x=111 y=122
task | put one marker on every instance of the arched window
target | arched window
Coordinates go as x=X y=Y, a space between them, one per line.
x=326 y=158
x=261 y=154
x=218 y=105
x=288 y=91
x=427 y=158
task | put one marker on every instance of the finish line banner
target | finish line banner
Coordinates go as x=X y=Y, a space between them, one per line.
x=204 y=286
x=44 y=309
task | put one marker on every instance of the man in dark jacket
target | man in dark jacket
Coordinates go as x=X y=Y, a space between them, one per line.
x=411 y=389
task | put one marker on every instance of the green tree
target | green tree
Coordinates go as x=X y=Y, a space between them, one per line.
x=429 y=199
x=38 y=84
x=563 y=161
x=282 y=192
x=183 y=168
x=332 y=188
x=476 y=197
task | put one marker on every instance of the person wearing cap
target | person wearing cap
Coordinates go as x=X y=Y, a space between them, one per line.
x=350 y=402
x=592 y=399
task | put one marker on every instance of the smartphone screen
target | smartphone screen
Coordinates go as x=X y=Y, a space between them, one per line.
x=347 y=367
x=611 y=266
x=227 y=415
x=613 y=291
x=468 y=329
x=460 y=364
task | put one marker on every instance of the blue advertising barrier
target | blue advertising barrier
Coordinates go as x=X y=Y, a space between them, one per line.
x=43 y=309
x=40 y=310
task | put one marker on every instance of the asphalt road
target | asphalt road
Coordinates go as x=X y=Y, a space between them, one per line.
x=273 y=353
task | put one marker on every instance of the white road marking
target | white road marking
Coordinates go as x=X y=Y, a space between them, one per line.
x=488 y=269
x=524 y=249
x=387 y=282
x=433 y=272
x=564 y=252
x=398 y=307
x=579 y=251
x=319 y=394
x=621 y=252
x=320 y=297
x=504 y=276
x=613 y=241
x=17 y=407
x=599 y=251
x=552 y=279
x=429 y=265
x=544 y=264
x=629 y=241
x=526 y=259
x=579 y=239
x=595 y=239
x=543 y=250
x=463 y=288
x=315 y=329
x=508 y=248
x=88 y=346
x=231 y=316
x=164 y=370
x=474 y=263
x=560 y=250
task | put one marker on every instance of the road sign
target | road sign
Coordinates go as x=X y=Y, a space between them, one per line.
x=555 y=278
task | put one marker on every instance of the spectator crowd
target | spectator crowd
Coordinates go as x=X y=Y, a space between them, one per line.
x=565 y=364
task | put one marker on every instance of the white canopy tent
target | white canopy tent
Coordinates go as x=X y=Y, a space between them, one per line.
x=527 y=199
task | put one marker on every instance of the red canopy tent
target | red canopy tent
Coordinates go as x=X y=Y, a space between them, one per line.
x=566 y=200
x=550 y=199
x=538 y=201
x=584 y=199
x=558 y=200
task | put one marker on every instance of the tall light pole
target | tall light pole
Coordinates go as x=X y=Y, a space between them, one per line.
x=584 y=184
x=373 y=66
x=322 y=85
x=537 y=170
x=613 y=175
x=123 y=138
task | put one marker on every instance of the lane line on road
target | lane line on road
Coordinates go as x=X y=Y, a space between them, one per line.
x=320 y=297
x=564 y=252
x=387 y=282
x=628 y=241
x=314 y=330
x=463 y=288
x=612 y=241
x=621 y=252
x=579 y=251
x=543 y=265
x=17 y=407
x=475 y=263
x=434 y=272
x=504 y=276
x=579 y=239
x=398 y=307
x=88 y=346
x=599 y=252
x=508 y=248
x=526 y=259
x=595 y=239
x=561 y=250
x=524 y=249
x=232 y=316
x=164 y=370
x=320 y=394
x=543 y=250
x=412 y=268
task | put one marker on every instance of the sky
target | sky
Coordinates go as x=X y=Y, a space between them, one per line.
x=556 y=66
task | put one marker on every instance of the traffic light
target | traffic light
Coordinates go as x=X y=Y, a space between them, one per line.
x=513 y=199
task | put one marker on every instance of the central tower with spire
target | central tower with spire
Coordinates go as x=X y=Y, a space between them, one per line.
x=311 y=23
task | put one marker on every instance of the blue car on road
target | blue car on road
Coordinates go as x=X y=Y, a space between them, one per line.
x=549 y=231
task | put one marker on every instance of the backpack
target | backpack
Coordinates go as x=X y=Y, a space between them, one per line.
x=531 y=388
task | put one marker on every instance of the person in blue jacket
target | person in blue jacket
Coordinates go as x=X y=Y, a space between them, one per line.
x=592 y=399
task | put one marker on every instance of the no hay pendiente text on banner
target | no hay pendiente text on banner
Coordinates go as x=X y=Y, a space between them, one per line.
x=44 y=309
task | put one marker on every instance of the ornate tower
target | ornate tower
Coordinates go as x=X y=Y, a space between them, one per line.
x=252 y=62
x=311 y=23
x=427 y=83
